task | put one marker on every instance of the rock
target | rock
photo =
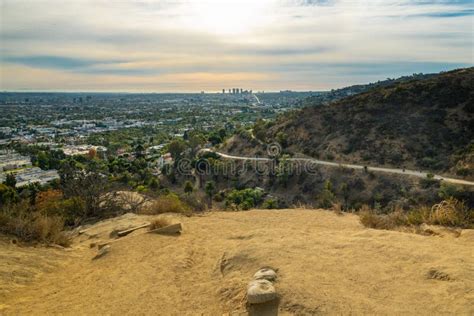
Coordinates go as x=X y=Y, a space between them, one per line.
x=168 y=230
x=102 y=252
x=260 y=291
x=102 y=245
x=265 y=274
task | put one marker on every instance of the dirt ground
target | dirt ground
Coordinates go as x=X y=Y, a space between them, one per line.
x=327 y=264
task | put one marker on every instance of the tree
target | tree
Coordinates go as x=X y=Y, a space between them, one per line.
x=210 y=188
x=90 y=185
x=176 y=147
x=326 y=198
x=10 y=180
x=43 y=160
x=188 y=187
x=7 y=194
x=139 y=151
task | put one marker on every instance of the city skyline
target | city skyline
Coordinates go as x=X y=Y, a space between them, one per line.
x=193 y=46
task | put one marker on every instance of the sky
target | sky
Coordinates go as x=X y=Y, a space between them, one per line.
x=209 y=45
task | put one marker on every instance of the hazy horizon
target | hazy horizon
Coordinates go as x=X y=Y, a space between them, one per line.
x=191 y=46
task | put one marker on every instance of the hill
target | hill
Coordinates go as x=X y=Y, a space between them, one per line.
x=425 y=123
x=326 y=264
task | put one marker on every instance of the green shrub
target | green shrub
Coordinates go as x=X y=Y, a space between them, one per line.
x=270 y=204
x=326 y=198
x=244 y=199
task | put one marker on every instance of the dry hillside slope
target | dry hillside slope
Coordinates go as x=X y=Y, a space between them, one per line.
x=422 y=123
x=326 y=264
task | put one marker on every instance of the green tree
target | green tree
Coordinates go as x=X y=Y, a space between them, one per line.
x=7 y=194
x=326 y=198
x=10 y=180
x=176 y=148
x=43 y=160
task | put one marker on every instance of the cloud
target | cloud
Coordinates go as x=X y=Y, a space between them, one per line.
x=55 y=62
x=294 y=44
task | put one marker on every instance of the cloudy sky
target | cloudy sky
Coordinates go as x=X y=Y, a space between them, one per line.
x=194 y=45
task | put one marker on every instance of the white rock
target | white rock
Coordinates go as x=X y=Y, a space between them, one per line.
x=265 y=274
x=260 y=291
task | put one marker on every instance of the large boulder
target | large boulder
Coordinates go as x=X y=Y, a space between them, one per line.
x=260 y=291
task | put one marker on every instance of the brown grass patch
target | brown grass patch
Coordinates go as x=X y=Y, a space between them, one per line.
x=369 y=218
x=33 y=226
x=159 y=223
x=450 y=213
x=337 y=208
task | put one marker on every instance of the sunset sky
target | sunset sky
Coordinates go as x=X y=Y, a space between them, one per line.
x=189 y=46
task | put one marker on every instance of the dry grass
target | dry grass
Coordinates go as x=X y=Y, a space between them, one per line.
x=337 y=208
x=159 y=223
x=450 y=212
x=33 y=226
x=382 y=221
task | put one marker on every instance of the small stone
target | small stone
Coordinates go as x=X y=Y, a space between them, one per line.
x=265 y=274
x=102 y=252
x=260 y=291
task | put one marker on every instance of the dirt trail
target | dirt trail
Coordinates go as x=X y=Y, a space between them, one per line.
x=326 y=264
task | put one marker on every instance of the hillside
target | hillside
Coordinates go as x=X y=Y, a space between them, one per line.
x=326 y=264
x=427 y=124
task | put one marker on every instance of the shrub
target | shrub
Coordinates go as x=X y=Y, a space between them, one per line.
x=194 y=202
x=463 y=172
x=29 y=225
x=418 y=216
x=244 y=199
x=447 y=191
x=270 y=204
x=371 y=219
x=452 y=212
x=158 y=223
x=169 y=203
x=326 y=198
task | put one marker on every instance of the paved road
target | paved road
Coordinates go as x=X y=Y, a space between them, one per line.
x=351 y=166
x=258 y=100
